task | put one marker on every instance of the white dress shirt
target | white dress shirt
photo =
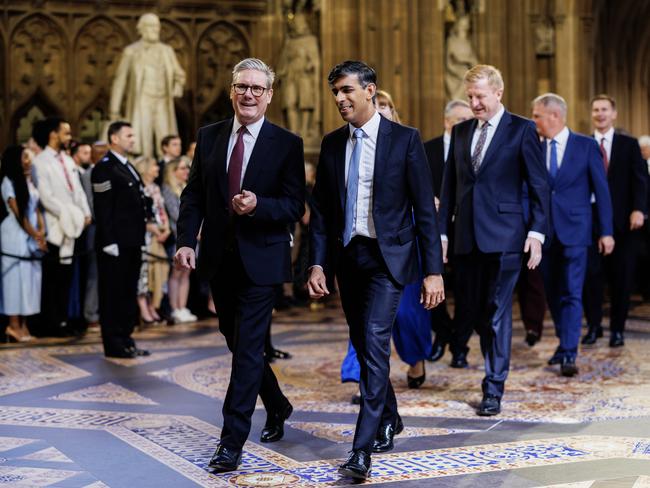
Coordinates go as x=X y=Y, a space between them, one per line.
x=364 y=224
x=609 y=138
x=446 y=141
x=561 y=139
x=491 y=130
x=250 y=136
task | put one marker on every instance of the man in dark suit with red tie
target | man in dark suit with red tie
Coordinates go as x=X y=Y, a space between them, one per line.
x=246 y=186
x=372 y=207
x=490 y=159
x=627 y=178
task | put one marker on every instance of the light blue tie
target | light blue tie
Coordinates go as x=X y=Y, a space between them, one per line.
x=353 y=186
x=552 y=167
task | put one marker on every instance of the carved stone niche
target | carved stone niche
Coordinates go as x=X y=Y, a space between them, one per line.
x=220 y=47
x=37 y=58
x=96 y=54
x=544 y=38
x=172 y=34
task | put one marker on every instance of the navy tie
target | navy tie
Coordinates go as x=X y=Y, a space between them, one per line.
x=352 y=187
x=552 y=167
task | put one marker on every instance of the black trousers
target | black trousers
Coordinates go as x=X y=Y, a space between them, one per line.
x=617 y=270
x=55 y=292
x=244 y=311
x=117 y=278
x=484 y=287
x=370 y=298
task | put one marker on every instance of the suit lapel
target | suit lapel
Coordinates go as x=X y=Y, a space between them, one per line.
x=497 y=140
x=466 y=145
x=261 y=149
x=219 y=154
x=339 y=161
x=381 y=154
x=616 y=148
x=565 y=164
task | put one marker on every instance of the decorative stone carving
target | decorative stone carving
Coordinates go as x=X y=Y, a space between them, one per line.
x=173 y=35
x=37 y=59
x=221 y=46
x=544 y=38
x=24 y=131
x=146 y=81
x=299 y=76
x=459 y=57
x=96 y=53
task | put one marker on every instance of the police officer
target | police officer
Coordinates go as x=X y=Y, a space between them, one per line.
x=121 y=214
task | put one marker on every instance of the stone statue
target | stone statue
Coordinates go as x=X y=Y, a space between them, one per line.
x=148 y=77
x=459 y=58
x=299 y=75
x=544 y=39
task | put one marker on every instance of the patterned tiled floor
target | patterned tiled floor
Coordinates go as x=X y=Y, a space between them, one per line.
x=70 y=418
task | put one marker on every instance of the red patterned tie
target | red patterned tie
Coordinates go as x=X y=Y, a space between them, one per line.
x=604 y=153
x=235 y=167
x=65 y=171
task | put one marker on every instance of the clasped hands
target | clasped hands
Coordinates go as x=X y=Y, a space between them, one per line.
x=244 y=203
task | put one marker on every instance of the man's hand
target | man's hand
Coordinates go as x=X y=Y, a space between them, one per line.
x=244 y=203
x=533 y=246
x=605 y=245
x=445 y=248
x=636 y=220
x=433 y=291
x=87 y=221
x=317 y=283
x=185 y=258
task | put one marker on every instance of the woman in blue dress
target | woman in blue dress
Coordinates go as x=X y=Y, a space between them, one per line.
x=412 y=327
x=23 y=234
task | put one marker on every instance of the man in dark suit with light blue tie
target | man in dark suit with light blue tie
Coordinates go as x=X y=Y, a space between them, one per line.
x=246 y=186
x=575 y=172
x=372 y=200
x=490 y=158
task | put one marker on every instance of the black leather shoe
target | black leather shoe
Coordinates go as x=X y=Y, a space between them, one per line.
x=568 y=367
x=437 y=351
x=459 y=360
x=356 y=399
x=490 y=405
x=616 y=339
x=385 y=434
x=225 y=459
x=416 y=382
x=139 y=352
x=357 y=466
x=532 y=338
x=592 y=335
x=556 y=358
x=273 y=430
x=126 y=353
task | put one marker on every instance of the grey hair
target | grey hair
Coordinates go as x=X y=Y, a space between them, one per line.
x=554 y=99
x=257 y=65
x=453 y=104
x=644 y=140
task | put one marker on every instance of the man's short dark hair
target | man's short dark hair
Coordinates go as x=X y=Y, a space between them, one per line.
x=115 y=127
x=75 y=145
x=167 y=139
x=364 y=72
x=42 y=129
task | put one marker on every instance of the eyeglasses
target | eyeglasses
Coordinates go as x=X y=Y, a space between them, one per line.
x=256 y=90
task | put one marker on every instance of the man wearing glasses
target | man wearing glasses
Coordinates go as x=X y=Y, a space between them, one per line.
x=246 y=186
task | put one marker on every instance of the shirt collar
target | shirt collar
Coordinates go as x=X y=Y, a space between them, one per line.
x=253 y=129
x=609 y=135
x=496 y=118
x=49 y=150
x=561 y=137
x=370 y=128
x=446 y=138
x=119 y=157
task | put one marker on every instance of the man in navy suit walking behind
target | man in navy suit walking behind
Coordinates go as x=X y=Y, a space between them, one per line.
x=575 y=172
x=490 y=158
x=372 y=199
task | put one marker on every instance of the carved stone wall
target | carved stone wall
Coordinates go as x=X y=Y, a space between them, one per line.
x=60 y=58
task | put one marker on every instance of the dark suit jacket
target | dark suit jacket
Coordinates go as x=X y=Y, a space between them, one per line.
x=275 y=173
x=580 y=174
x=121 y=208
x=488 y=206
x=402 y=203
x=627 y=178
x=435 y=149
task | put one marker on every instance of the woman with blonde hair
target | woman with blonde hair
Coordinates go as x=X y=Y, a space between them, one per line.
x=154 y=272
x=386 y=106
x=175 y=178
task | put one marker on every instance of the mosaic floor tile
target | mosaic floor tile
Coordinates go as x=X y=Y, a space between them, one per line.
x=50 y=454
x=343 y=433
x=106 y=393
x=9 y=443
x=32 y=477
x=155 y=356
